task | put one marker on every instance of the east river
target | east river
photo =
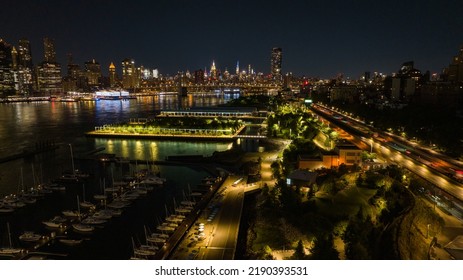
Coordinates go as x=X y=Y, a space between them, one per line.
x=28 y=125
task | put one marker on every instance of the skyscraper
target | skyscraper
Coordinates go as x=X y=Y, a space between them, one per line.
x=213 y=72
x=129 y=74
x=24 y=52
x=199 y=76
x=49 y=50
x=275 y=63
x=455 y=69
x=112 y=75
x=74 y=75
x=25 y=70
x=93 y=72
x=6 y=68
x=49 y=71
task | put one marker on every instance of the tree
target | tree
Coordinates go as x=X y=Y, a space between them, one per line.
x=299 y=253
x=360 y=237
x=323 y=248
x=359 y=181
x=342 y=169
x=264 y=254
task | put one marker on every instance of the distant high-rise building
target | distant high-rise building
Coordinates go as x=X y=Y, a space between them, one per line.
x=6 y=68
x=14 y=58
x=276 y=62
x=49 y=78
x=49 y=50
x=213 y=71
x=129 y=74
x=75 y=79
x=455 y=70
x=237 y=68
x=112 y=75
x=74 y=70
x=226 y=74
x=199 y=76
x=367 y=77
x=24 y=76
x=93 y=72
x=25 y=54
x=49 y=71
x=406 y=82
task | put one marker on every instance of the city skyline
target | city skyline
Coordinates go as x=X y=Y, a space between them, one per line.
x=318 y=39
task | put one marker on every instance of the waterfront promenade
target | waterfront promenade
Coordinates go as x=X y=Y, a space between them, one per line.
x=214 y=234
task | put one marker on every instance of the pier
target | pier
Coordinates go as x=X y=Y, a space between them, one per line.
x=40 y=147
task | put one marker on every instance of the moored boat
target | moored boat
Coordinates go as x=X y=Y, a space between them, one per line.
x=83 y=228
x=71 y=242
x=30 y=236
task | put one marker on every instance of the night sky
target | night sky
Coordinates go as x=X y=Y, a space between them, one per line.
x=319 y=38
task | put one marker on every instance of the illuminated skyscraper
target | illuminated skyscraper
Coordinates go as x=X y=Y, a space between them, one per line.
x=199 y=76
x=455 y=69
x=14 y=57
x=74 y=79
x=49 y=71
x=213 y=71
x=25 y=73
x=112 y=75
x=238 y=68
x=93 y=72
x=49 y=50
x=24 y=51
x=73 y=69
x=6 y=68
x=129 y=74
x=275 y=63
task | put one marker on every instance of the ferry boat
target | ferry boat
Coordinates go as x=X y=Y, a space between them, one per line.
x=113 y=95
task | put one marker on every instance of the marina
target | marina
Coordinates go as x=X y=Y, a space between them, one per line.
x=68 y=227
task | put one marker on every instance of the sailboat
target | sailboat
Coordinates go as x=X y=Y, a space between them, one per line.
x=76 y=174
x=56 y=222
x=10 y=250
x=29 y=236
x=80 y=227
x=71 y=213
x=156 y=238
x=143 y=251
x=103 y=195
x=71 y=242
x=85 y=204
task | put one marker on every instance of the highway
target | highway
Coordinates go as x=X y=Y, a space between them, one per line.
x=432 y=166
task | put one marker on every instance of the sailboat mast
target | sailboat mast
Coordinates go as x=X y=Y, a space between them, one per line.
x=78 y=206
x=72 y=160
x=9 y=235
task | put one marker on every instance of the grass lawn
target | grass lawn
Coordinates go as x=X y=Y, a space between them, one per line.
x=346 y=202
